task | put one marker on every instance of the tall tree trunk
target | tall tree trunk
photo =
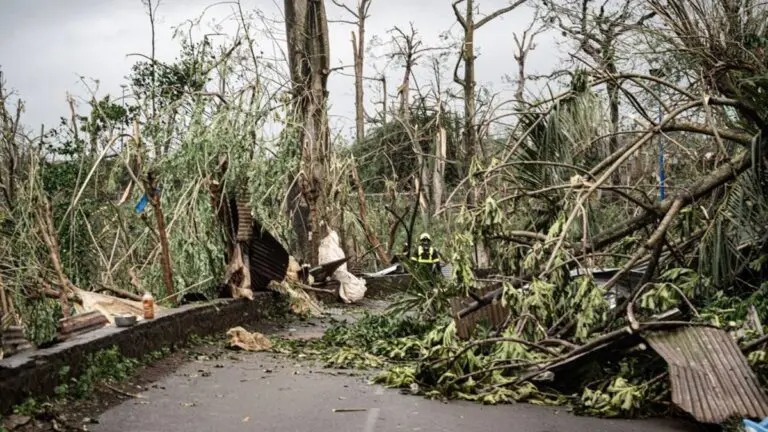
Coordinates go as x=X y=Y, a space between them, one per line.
x=438 y=169
x=308 y=58
x=358 y=52
x=471 y=145
x=384 y=99
x=471 y=142
x=358 y=47
x=404 y=90
x=609 y=63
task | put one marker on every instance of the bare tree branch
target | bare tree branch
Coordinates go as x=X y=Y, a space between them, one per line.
x=498 y=13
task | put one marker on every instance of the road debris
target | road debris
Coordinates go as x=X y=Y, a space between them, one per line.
x=710 y=378
x=248 y=341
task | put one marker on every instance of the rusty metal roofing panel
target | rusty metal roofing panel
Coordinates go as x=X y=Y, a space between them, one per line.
x=244 y=221
x=268 y=259
x=710 y=378
x=494 y=314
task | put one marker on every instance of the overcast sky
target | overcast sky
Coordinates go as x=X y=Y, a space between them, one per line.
x=47 y=45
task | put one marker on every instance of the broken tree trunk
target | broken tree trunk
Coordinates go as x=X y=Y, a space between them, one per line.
x=308 y=59
x=153 y=194
x=238 y=275
x=438 y=169
x=45 y=220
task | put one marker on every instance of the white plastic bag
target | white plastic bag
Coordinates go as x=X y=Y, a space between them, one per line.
x=351 y=288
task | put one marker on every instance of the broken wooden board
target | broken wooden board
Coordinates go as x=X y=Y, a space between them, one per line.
x=81 y=323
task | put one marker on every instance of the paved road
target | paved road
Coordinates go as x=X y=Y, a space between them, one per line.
x=268 y=392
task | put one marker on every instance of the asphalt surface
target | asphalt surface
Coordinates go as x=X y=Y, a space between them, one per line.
x=271 y=392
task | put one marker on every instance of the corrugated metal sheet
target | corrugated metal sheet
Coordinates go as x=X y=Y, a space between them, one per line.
x=710 y=377
x=494 y=314
x=268 y=259
x=244 y=221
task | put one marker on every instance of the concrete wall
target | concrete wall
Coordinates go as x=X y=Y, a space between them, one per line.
x=36 y=373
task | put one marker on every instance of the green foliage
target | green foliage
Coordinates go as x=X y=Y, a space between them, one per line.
x=731 y=241
x=31 y=407
x=369 y=343
x=166 y=84
x=42 y=316
x=371 y=328
x=557 y=297
x=758 y=361
x=619 y=398
x=353 y=358
x=565 y=134
x=158 y=354
x=397 y=377
x=427 y=295
x=107 y=365
x=387 y=153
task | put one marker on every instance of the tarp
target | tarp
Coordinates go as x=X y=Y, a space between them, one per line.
x=109 y=306
x=352 y=288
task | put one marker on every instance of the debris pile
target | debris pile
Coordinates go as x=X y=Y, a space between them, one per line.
x=659 y=355
x=247 y=341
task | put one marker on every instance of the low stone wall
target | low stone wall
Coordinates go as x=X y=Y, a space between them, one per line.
x=383 y=286
x=36 y=373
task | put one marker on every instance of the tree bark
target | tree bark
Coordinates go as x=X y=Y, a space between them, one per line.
x=404 y=90
x=471 y=144
x=165 y=253
x=438 y=171
x=358 y=49
x=308 y=59
x=358 y=55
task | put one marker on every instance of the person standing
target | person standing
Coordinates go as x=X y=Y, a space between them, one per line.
x=426 y=254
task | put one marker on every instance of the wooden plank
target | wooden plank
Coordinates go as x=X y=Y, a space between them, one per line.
x=88 y=320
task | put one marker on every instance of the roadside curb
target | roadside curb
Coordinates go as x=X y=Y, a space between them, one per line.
x=36 y=372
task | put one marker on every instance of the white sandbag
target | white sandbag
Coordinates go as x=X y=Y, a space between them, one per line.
x=351 y=288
